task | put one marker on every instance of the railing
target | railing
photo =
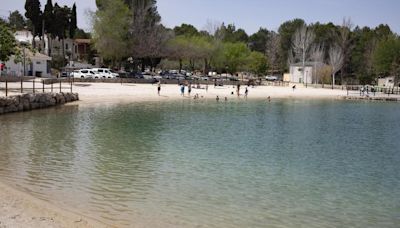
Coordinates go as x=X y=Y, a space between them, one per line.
x=371 y=90
x=23 y=85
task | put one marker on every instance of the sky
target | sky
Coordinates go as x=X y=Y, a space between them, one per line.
x=251 y=14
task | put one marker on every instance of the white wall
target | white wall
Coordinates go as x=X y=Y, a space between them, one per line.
x=296 y=75
x=34 y=65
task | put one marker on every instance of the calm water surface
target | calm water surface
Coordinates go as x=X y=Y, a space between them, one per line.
x=203 y=164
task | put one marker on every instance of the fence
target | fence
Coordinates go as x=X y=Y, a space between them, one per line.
x=23 y=85
x=372 y=90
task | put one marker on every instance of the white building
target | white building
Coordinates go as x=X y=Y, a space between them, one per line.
x=42 y=45
x=296 y=73
x=386 y=82
x=36 y=64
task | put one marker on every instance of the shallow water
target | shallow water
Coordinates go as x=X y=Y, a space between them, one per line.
x=206 y=164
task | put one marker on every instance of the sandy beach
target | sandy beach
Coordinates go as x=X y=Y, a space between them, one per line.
x=18 y=209
x=102 y=92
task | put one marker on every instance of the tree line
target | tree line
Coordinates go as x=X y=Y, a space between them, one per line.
x=129 y=33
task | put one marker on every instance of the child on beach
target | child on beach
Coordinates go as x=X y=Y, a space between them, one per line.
x=246 y=92
x=158 y=87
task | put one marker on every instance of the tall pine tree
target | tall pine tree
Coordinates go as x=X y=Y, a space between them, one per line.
x=34 y=14
x=73 y=22
x=48 y=17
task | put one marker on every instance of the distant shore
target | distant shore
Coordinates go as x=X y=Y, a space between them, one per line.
x=97 y=93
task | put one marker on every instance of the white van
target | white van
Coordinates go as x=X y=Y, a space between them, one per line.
x=84 y=73
x=105 y=73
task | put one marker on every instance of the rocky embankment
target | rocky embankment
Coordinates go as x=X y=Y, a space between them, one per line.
x=28 y=102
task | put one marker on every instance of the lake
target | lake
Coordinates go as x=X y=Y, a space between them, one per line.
x=288 y=163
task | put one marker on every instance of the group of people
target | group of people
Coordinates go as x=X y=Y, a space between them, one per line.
x=189 y=91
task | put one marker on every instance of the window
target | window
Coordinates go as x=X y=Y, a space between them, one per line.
x=38 y=62
x=84 y=71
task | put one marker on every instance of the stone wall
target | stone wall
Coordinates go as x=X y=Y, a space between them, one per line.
x=28 y=102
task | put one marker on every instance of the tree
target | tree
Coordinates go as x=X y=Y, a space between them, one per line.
x=16 y=20
x=73 y=22
x=257 y=63
x=387 y=57
x=48 y=17
x=34 y=14
x=317 y=55
x=7 y=43
x=301 y=44
x=272 y=51
x=186 y=30
x=110 y=30
x=235 y=56
x=336 y=61
x=286 y=31
x=346 y=43
x=258 y=41
x=230 y=34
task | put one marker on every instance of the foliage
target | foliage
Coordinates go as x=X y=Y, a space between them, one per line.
x=110 y=30
x=387 y=57
x=48 y=17
x=258 y=41
x=73 y=22
x=7 y=43
x=235 y=56
x=286 y=31
x=16 y=20
x=257 y=63
x=34 y=14
x=186 y=30
x=230 y=34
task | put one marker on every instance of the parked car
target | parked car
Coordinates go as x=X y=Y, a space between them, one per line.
x=271 y=78
x=105 y=73
x=84 y=73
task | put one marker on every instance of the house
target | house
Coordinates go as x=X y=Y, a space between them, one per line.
x=296 y=73
x=386 y=82
x=71 y=49
x=36 y=64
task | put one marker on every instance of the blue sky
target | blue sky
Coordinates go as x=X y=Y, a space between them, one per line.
x=251 y=14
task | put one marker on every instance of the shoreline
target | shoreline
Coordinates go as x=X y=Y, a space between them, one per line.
x=20 y=209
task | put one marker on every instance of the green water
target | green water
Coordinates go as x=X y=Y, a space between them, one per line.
x=207 y=164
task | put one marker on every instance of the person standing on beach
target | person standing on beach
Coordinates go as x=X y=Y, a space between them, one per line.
x=246 y=92
x=189 y=89
x=159 y=87
x=182 y=90
x=238 y=90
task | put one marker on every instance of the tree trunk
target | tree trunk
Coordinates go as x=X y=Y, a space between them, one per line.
x=205 y=66
x=180 y=65
x=333 y=80
x=33 y=39
x=63 y=48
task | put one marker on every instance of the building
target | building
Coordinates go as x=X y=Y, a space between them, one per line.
x=70 y=49
x=386 y=82
x=296 y=73
x=81 y=49
x=36 y=64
